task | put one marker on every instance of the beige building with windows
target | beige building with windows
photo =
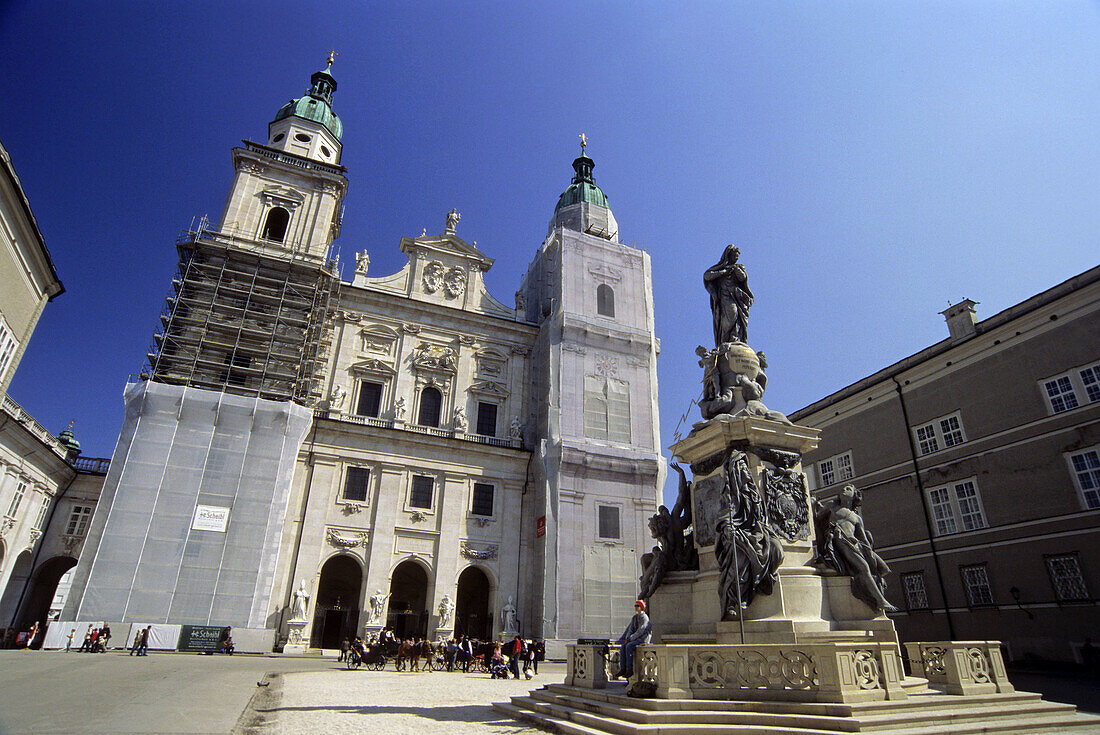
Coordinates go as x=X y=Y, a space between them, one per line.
x=47 y=492
x=979 y=461
x=307 y=458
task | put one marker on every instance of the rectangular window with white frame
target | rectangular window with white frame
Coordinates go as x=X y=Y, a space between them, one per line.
x=916 y=596
x=837 y=468
x=481 y=502
x=1066 y=577
x=369 y=401
x=608 y=519
x=8 y=346
x=17 y=499
x=957 y=507
x=1070 y=390
x=976 y=580
x=942 y=433
x=40 y=521
x=1085 y=466
x=78 y=520
x=422 y=492
x=356 y=484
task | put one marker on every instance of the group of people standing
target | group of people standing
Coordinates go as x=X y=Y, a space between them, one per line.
x=95 y=639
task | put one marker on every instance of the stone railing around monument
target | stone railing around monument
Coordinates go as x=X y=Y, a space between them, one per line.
x=960 y=667
x=832 y=672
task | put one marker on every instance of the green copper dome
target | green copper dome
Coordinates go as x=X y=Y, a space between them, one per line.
x=67 y=440
x=316 y=105
x=583 y=188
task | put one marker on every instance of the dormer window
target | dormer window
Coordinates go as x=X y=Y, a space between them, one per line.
x=277 y=138
x=325 y=152
x=276 y=224
x=302 y=138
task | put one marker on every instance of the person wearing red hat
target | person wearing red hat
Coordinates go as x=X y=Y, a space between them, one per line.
x=639 y=631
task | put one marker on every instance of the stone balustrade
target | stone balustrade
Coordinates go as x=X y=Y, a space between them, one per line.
x=961 y=667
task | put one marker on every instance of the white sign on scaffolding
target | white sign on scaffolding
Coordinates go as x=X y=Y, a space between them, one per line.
x=210 y=518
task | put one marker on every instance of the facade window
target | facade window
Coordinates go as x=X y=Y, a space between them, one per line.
x=1086 y=471
x=916 y=596
x=17 y=499
x=8 y=344
x=431 y=407
x=956 y=507
x=275 y=225
x=369 y=402
x=486 y=418
x=356 y=482
x=1075 y=388
x=78 y=520
x=940 y=434
x=40 y=521
x=976 y=581
x=608 y=521
x=605 y=300
x=1065 y=575
x=606 y=409
x=483 y=499
x=837 y=468
x=422 y=490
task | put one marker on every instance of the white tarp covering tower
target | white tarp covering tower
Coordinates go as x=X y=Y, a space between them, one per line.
x=190 y=521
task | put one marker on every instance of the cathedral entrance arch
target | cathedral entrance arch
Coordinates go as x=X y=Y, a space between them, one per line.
x=408 y=611
x=336 y=612
x=19 y=577
x=472 y=616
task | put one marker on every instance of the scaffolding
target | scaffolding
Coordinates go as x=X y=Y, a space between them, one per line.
x=246 y=322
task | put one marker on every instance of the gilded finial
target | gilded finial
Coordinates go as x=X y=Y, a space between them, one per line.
x=584 y=142
x=70 y=426
x=332 y=54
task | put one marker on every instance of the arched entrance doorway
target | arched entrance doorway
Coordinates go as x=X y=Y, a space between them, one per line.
x=336 y=612
x=472 y=617
x=408 y=610
x=36 y=603
x=19 y=577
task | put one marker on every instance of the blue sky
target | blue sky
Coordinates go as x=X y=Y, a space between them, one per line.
x=873 y=161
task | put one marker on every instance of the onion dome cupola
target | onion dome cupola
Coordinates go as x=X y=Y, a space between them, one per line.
x=68 y=440
x=583 y=205
x=307 y=126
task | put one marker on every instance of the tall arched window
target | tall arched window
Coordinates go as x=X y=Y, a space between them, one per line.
x=431 y=403
x=275 y=226
x=605 y=300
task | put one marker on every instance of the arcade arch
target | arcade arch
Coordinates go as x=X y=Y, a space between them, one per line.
x=473 y=616
x=336 y=608
x=408 y=608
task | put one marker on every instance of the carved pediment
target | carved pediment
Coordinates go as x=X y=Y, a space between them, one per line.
x=490 y=388
x=377 y=338
x=491 y=363
x=283 y=195
x=605 y=273
x=372 y=367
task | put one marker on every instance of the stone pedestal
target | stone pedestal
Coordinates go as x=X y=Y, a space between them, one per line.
x=807 y=604
x=296 y=642
x=585 y=666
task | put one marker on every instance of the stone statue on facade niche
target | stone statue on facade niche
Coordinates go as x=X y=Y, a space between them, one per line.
x=508 y=618
x=730 y=298
x=399 y=409
x=336 y=398
x=515 y=429
x=301 y=602
x=377 y=606
x=748 y=555
x=446 y=607
x=461 y=423
x=452 y=220
x=844 y=544
x=362 y=262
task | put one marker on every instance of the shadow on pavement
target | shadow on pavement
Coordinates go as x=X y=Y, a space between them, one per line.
x=480 y=713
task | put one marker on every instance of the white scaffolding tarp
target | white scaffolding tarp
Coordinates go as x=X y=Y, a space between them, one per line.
x=192 y=512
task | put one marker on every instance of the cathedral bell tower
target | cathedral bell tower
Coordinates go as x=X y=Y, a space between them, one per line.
x=188 y=528
x=595 y=364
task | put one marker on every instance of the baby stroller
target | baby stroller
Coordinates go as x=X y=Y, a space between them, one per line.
x=498 y=668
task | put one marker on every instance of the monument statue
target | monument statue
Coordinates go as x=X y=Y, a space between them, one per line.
x=301 y=602
x=446 y=607
x=336 y=398
x=844 y=544
x=452 y=220
x=399 y=409
x=515 y=429
x=508 y=618
x=362 y=262
x=461 y=423
x=730 y=297
x=748 y=554
x=377 y=606
x=675 y=549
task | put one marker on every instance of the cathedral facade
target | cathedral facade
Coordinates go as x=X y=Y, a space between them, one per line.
x=307 y=458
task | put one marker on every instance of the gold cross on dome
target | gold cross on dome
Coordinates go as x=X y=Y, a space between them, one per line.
x=584 y=142
x=332 y=54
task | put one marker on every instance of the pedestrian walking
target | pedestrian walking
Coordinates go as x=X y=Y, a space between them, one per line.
x=69 y=642
x=515 y=655
x=143 y=644
x=137 y=641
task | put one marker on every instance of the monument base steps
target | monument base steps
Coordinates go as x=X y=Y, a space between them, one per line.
x=583 y=711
